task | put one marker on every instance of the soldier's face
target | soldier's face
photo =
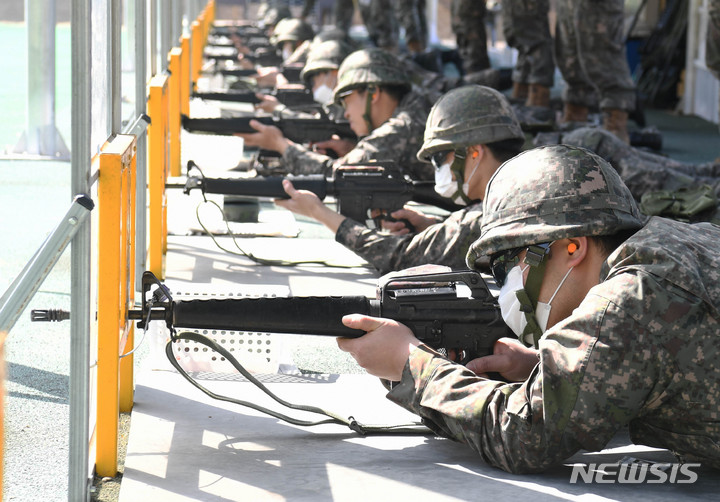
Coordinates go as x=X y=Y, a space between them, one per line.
x=354 y=104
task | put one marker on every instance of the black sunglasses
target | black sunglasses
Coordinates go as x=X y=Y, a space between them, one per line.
x=501 y=263
x=438 y=158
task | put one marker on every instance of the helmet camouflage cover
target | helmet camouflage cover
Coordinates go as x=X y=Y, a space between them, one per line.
x=468 y=115
x=370 y=66
x=324 y=56
x=549 y=193
x=292 y=30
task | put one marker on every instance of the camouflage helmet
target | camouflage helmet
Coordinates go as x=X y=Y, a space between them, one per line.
x=292 y=30
x=367 y=67
x=324 y=57
x=273 y=16
x=549 y=193
x=468 y=115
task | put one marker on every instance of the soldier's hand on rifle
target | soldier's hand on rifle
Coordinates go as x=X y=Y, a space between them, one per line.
x=245 y=63
x=513 y=360
x=267 y=76
x=384 y=349
x=308 y=204
x=268 y=137
x=341 y=147
x=267 y=103
x=417 y=219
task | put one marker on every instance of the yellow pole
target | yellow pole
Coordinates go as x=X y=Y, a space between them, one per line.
x=157 y=172
x=197 y=52
x=113 y=298
x=185 y=75
x=174 y=105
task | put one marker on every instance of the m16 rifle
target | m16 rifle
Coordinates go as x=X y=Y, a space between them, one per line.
x=446 y=311
x=358 y=188
x=289 y=96
x=299 y=130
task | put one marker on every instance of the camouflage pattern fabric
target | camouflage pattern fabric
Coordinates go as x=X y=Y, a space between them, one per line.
x=411 y=16
x=643 y=171
x=526 y=28
x=590 y=53
x=468 y=24
x=640 y=351
x=381 y=22
x=712 y=44
x=445 y=243
x=398 y=140
x=344 y=11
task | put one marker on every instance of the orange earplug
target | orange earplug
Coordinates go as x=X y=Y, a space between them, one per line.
x=572 y=247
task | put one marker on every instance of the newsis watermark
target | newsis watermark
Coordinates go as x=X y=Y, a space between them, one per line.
x=634 y=473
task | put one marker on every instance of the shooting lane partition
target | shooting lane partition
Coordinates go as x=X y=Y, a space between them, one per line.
x=116 y=294
x=176 y=75
x=199 y=30
x=158 y=168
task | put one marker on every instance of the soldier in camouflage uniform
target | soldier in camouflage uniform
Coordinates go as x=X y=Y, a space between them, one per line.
x=624 y=316
x=590 y=53
x=643 y=171
x=470 y=131
x=468 y=24
x=411 y=16
x=388 y=117
x=526 y=28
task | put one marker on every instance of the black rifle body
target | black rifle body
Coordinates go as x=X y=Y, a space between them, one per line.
x=356 y=190
x=290 y=97
x=299 y=130
x=427 y=304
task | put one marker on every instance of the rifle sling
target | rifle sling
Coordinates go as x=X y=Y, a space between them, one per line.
x=332 y=418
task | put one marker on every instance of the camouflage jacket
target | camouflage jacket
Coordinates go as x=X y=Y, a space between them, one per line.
x=398 y=139
x=641 y=351
x=444 y=243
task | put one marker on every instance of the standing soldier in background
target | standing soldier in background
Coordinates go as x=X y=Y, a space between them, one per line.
x=411 y=16
x=527 y=29
x=712 y=44
x=468 y=24
x=590 y=53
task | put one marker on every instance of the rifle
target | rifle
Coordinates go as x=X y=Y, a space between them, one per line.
x=288 y=96
x=357 y=188
x=263 y=56
x=449 y=310
x=299 y=130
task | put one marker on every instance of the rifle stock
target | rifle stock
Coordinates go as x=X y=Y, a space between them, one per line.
x=450 y=310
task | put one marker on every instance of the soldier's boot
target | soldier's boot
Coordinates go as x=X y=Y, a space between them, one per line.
x=575 y=113
x=520 y=91
x=415 y=47
x=615 y=121
x=538 y=95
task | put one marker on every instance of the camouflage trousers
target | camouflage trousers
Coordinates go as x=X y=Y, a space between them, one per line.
x=590 y=53
x=411 y=16
x=712 y=44
x=527 y=29
x=381 y=22
x=468 y=24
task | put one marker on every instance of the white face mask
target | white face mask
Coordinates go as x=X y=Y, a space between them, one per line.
x=286 y=53
x=446 y=186
x=509 y=303
x=323 y=95
x=542 y=311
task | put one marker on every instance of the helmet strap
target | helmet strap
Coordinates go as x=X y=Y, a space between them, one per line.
x=458 y=167
x=370 y=92
x=528 y=296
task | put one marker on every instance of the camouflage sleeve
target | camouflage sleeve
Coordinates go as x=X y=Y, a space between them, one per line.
x=301 y=160
x=596 y=371
x=444 y=243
